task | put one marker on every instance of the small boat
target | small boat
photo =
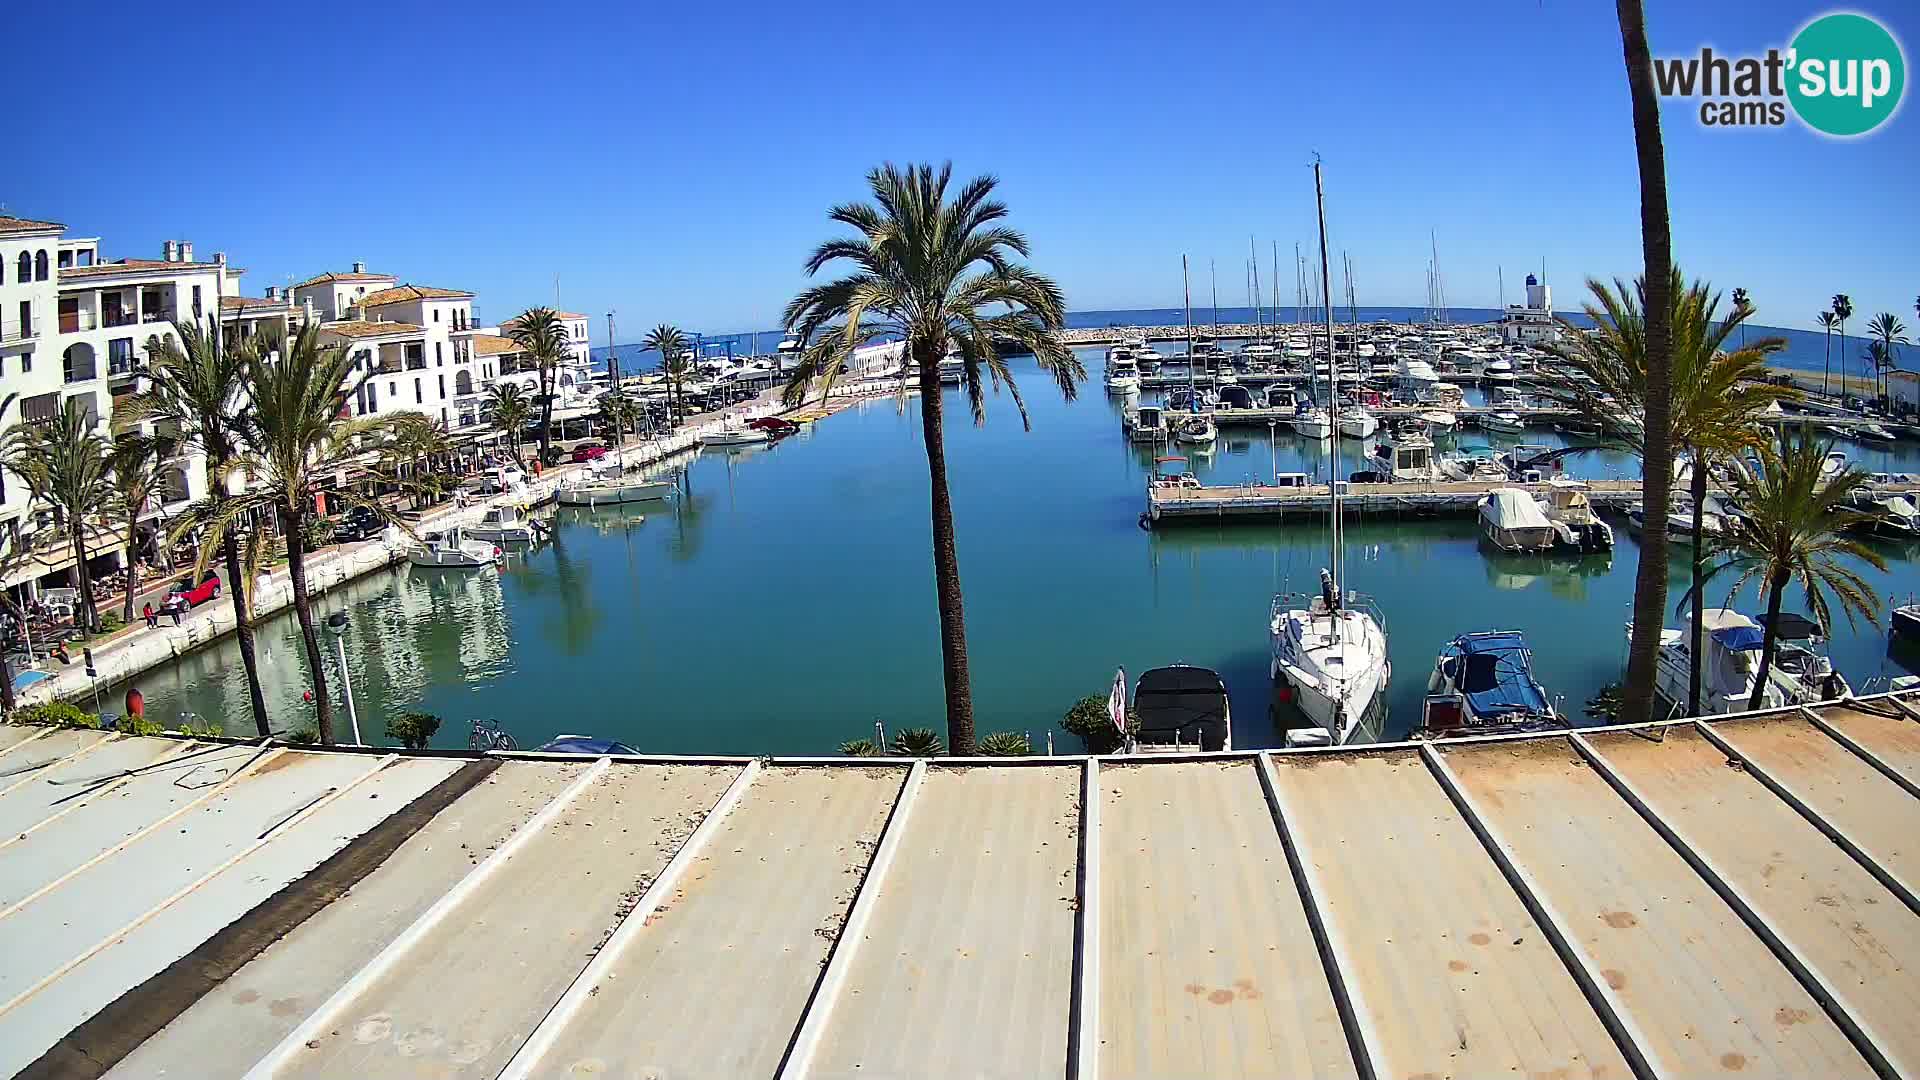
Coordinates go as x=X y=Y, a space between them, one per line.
x=1833 y=465
x=1512 y=521
x=1281 y=397
x=1872 y=433
x=951 y=369
x=503 y=525
x=735 y=437
x=1196 y=428
x=1475 y=463
x=1235 y=396
x=612 y=491
x=1123 y=374
x=1437 y=419
x=1180 y=709
x=1888 y=514
x=1503 y=421
x=1499 y=372
x=1570 y=510
x=1578 y=426
x=1164 y=476
x=1483 y=684
x=1312 y=421
x=453 y=550
x=1799 y=675
x=774 y=426
x=1905 y=620
x=1357 y=423
x=1329 y=657
x=1407 y=455
x=1147 y=424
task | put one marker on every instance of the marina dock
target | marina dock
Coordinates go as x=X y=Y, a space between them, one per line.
x=1741 y=903
x=1255 y=501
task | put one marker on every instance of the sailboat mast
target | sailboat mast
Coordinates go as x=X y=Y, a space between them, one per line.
x=1186 y=290
x=1275 y=308
x=1214 y=278
x=1333 y=377
x=1254 y=261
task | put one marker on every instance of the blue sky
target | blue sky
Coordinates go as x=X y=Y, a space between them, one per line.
x=674 y=162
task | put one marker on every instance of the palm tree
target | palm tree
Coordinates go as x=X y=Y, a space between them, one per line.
x=1656 y=245
x=1741 y=307
x=294 y=441
x=1798 y=527
x=933 y=272
x=1842 y=311
x=1718 y=396
x=543 y=335
x=139 y=462
x=193 y=386
x=511 y=411
x=1827 y=322
x=415 y=449
x=619 y=412
x=1889 y=333
x=671 y=344
x=64 y=463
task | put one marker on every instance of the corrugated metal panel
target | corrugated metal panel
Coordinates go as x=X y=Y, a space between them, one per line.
x=750 y=924
x=470 y=992
x=973 y=932
x=1207 y=964
x=12 y=736
x=1454 y=974
x=61 y=787
x=229 y=1030
x=1857 y=937
x=1705 y=995
x=47 y=752
x=1891 y=738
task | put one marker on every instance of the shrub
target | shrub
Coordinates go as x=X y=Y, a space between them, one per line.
x=138 y=725
x=1004 y=744
x=58 y=714
x=860 y=748
x=201 y=729
x=413 y=730
x=306 y=736
x=918 y=742
x=1088 y=719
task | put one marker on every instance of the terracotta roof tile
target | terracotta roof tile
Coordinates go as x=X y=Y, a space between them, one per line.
x=322 y=279
x=489 y=345
x=130 y=266
x=404 y=293
x=14 y=224
x=355 y=328
x=237 y=303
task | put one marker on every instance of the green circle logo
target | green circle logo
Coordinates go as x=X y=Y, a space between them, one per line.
x=1846 y=74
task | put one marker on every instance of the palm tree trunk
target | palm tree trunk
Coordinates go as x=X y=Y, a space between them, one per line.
x=1656 y=241
x=133 y=583
x=295 y=524
x=243 y=633
x=946 y=564
x=546 y=412
x=88 y=611
x=1828 y=370
x=1776 y=587
x=1698 y=644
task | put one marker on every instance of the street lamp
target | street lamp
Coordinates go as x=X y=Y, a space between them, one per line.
x=337 y=622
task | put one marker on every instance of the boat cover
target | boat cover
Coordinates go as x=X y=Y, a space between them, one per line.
x=1181 y=702
x=1739 y=638
x=1514 y=508
x=1495 y=673
x=1793 y=626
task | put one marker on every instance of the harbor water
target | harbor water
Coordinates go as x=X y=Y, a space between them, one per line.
x=785 y=602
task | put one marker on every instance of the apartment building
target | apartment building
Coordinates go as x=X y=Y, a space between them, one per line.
x=412 y=341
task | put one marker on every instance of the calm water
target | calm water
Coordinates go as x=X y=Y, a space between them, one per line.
x=788 y=603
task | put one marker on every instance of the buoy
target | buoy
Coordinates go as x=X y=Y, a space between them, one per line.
x=136 y=702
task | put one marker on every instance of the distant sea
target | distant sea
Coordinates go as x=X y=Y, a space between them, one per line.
x=1805 y=351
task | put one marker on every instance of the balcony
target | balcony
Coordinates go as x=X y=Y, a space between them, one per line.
x=115 y=318
x=416 y=363
x=15 y=330
x=124 y=367
x=40 y=408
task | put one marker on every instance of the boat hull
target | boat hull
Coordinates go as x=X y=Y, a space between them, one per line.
x=615 y=494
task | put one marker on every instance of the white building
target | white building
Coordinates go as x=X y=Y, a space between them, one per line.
x=1530 y=323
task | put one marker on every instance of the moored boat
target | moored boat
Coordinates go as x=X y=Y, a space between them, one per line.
x=1512 y=520
x=503 y=525
x=1483 y=684
x=1179 y=709
x=735 y=437
x=453 y=550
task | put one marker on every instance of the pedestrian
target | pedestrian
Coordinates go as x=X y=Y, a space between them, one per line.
x=175 y=607
x=152 y=619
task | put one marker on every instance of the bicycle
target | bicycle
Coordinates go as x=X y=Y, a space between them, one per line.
x=487 y=735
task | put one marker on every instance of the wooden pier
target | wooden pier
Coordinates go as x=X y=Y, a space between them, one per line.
x=1469 y=414
x=1168 y=504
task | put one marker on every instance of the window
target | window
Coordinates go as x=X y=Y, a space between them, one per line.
x=373 y=396
x=393 y=389
x=66 y=259
x=463 y=383
x=25 y=272
x=436 y=314
x=26 y=317
x=26 y=363
x=443 y=384
x=41 y=273
x=436 y=355
x=196 y=301
x=419 y=396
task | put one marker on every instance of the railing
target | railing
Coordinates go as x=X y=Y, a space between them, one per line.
x=116 y=318
x=122 y=367
x=20 y=331
x=417 y=363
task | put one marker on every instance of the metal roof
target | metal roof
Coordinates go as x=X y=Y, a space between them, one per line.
x=1678 y=899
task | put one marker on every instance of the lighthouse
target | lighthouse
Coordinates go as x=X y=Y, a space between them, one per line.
x=1530 y=323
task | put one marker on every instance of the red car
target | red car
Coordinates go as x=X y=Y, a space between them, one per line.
x=774 y=426
x=589 y=452
x=195 y=595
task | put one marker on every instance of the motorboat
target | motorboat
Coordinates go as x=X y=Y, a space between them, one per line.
x=1235 y=396
x=1415 y=376
x=1483 y=684
x=1123 y=374
x=1833 y=464
x=1512 y=520
x=951 y=369
x=1329 y=657
x=1498 y=372
x=1567 y=505
x=1190 y=399
x=1888 y=514
x=1147 y=424
x=1438 y=419
x=612 y=491
x=1407 y=455
x=1356 y=422
x=1196 y=428
x=453 y=550
x=734 y=437
x=1312 y=421
x=1872 y=433
x=503 y=525
x=1730 y=662
x=1166 y=475
x=1713 y=518
x=1179 y=709
x=1475 y=463
x=1579 y=426
x=1281 y=397
x=1904 y=622
x=1503 y=421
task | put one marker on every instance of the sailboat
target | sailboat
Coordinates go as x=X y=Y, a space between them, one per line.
x=1198 y=428
x=1329 y=650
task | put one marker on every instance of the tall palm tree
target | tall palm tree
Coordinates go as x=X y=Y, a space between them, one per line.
x=1889 y=333
x=934 y=272
x=1827 y=322
x=293 y=441
x=542 y=333
x=64 y=463
x=1741 y=305
x=671 y=344
x=193 y=387
x=511 y=412
x=1798 y=526
x=1842 y=311
x=139 y=463
x=619 y=411
x=416 y=448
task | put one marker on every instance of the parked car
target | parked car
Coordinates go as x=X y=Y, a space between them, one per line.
x=195 y=595
x=588 y=452
x=358 y=523
x=774 y=426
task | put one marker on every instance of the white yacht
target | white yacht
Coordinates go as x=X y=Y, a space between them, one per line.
x=1195 y=428
x=1123 y=373
x=1570 y=510
x=611 y=489
x=1507 y=422
x=453 y=550
x=1474 y=463
x=1890 y=514
x=1356 y=422
x=1512 y=520
x=1730 y=662
x=1834 y=464
x=1147 y=424
x=735 y=437
x=1406 y=455
x=503 y=525
x=1312 y=421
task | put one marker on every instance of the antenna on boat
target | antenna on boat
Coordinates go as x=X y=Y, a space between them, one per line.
x=1333 y=381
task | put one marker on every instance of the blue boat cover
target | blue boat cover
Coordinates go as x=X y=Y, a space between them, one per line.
x=1740 y=638
x=1498 y=676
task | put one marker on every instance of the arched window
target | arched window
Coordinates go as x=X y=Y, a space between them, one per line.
x=26 y=269
x=463 y=383
x=40 y=267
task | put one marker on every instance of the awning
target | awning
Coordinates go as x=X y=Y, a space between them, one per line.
x=1740 y=638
